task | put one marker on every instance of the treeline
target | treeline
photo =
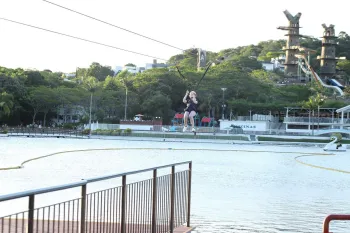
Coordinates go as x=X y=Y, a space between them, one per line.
x=28 y=96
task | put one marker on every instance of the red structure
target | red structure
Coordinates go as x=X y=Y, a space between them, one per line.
x=206 y=121
x=329 y=218
x=179 y=116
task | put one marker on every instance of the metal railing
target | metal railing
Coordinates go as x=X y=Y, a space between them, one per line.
x=266 y=118
x=156 y=205
x=45 y=132
x=332 y=217
x=311 y=119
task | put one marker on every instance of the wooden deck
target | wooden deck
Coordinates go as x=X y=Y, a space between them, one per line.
x=54 y=226
x=183 y=229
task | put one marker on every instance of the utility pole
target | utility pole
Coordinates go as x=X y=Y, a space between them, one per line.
x=223 y=102
x=126 y=102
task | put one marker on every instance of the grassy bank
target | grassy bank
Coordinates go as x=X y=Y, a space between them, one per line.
x=167 y=135
x=272 y=139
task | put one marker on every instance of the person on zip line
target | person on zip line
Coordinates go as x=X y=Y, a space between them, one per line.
x=191 y=109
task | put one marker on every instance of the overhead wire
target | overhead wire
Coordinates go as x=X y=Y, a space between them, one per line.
x=79 y=38
x=113 y=25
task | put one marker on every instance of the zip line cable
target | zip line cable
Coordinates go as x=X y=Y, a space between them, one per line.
x=79 y=38
x=110 y=24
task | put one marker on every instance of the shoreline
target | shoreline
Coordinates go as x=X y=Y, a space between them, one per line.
x=201 y=138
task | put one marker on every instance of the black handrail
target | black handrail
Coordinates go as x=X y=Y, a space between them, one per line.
x=176 y=180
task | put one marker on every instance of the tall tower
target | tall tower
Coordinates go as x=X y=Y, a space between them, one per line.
x=293 y=43
x=327 y=58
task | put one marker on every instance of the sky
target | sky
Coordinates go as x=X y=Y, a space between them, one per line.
x=210 y=25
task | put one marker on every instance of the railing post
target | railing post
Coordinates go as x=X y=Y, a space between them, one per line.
x=123 y=228
x=189 y=194
x=31 y=214
x=154 y=204
x=172 y=199
x=83 y=208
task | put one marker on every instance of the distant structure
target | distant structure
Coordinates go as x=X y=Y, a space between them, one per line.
x=155 y=65
x=202 y=59
x=117 y=69
x=276 y=63
x=293 y=43
x=327 y=59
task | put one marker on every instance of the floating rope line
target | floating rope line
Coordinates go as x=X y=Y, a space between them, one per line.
x=320 y=167
x=179 y=149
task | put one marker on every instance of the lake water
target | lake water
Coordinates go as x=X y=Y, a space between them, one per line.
x=233 y=191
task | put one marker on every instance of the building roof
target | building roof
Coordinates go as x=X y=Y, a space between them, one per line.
x=344 y=109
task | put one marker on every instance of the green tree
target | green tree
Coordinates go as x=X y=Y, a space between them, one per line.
x=6 y=103
x=270 y=46
x=50 y=103
x=52 y=80
x=110 y=83
x=344 y=65
x=66 y=99
x=266 y=76
x=343 y=48
x=347 y=91
x=130 y=64
x=246 y=62
x=34 y=78
x=39 y=99
x=269 y=56
x=99 y=72
x=157 y=104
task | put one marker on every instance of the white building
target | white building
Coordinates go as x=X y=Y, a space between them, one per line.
x=134 y=69
x=69 y=75
x=117 y=69
x=269 y=66
x=275 y=64
x=131 y=69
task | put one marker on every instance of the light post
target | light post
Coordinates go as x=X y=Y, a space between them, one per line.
x=318 y=117
x=126 y=101
x=270 y=121
x=90 y=84
x=250 y=115
x=321 y=101
x=90 y=114
x=223 y=102
x=313 y=121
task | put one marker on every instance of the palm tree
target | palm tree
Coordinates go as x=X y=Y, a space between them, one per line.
x=313 y=104
x=91 y=85
x=347 y=91
x=6 y=103
x=123 y=77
